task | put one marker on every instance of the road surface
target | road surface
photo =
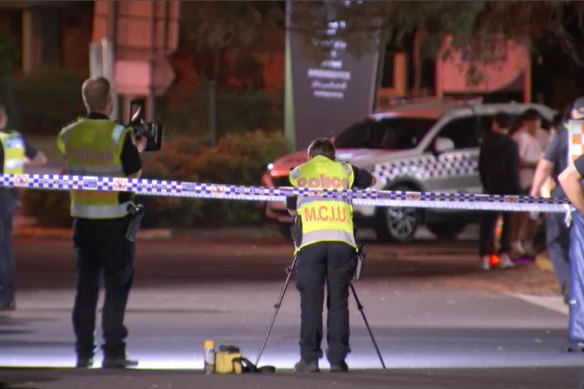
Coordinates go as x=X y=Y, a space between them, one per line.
x=439 y=321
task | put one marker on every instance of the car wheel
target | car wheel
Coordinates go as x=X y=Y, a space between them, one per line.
x=398 y=224
x=446 y=231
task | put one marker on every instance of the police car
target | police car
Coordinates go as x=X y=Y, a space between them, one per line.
x=432 y=147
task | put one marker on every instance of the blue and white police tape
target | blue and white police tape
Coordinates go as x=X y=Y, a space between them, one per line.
x=151 y=187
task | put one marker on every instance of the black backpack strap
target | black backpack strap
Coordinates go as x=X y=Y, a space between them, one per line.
x=248 y=367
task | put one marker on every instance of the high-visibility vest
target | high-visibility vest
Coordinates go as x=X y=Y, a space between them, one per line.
x=14 y=150
x=93 y=147
x=324 y=220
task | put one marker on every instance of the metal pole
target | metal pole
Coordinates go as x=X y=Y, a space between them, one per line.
x=289 y=270
x=289 y=130
x=150 y=98
x=108 y=56
x=360 y=307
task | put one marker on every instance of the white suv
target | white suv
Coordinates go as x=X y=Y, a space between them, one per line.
x=418 y=147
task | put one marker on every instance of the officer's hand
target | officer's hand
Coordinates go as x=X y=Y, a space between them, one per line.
x=139 y=142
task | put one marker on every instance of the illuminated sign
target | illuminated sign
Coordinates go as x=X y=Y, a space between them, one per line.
x=333 y=92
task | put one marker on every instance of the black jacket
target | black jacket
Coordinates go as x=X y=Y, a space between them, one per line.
x=499 y=165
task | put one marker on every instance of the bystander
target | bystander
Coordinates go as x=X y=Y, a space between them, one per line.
x=498 y=168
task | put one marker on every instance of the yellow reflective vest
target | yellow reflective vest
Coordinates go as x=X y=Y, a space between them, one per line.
x=93 y=147
x=324 y=220
x=14 y=152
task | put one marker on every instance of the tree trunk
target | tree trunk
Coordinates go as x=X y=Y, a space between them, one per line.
x=10 y=101
x=213 y=97
x=417 y=61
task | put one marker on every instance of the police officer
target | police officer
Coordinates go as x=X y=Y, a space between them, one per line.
x=15 y=152
x=571 y=181
x=553 y=162
x=98 y=146
x=326 y=253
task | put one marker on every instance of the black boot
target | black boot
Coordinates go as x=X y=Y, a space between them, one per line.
x=84 y=361
x=118 y=363
x=306 y=367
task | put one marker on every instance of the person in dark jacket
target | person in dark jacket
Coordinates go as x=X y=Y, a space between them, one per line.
x=499 y=173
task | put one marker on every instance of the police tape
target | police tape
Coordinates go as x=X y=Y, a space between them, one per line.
x=384 y=198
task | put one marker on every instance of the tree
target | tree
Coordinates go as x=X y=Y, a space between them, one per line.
x=8 y=54
x=470 y=23
x=563 y=21
x=8 y=57
x=214 y=28
x=210 y=30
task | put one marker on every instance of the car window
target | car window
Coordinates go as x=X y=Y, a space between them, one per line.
x=463 y=132
x=359 y=135
x=387 y=133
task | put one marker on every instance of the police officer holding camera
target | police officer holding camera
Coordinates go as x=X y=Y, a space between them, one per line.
x=325 y=253
x=97 y=146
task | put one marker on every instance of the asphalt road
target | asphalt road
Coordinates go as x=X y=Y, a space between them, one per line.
x=439 y=321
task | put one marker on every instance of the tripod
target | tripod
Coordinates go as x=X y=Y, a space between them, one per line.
x=289 y=270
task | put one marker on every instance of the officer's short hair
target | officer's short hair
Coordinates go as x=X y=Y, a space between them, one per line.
x=558 y=120
x=578 y=104
x=96 y=93
x=2 y=109
x=503 y=120
x=322 y=146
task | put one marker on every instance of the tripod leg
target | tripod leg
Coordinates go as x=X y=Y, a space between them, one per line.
x=289 y=270
x=360 y=307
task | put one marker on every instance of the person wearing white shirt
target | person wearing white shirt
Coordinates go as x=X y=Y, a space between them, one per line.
x=531 y=141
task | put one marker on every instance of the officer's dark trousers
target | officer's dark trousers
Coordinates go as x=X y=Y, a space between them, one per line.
x=7 y=271
x=101 y=251
x=319 y=263
x=557 y=239
x=488 y=221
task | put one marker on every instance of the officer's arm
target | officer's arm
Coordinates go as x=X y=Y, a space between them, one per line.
x=292 y=201
x=32 y=156
x=570 y=181
x=39 y=159
x=135 y=175
x=542 y=173
x=363 y=179
x=131 y=163
x=140 y=142
x=291 y=205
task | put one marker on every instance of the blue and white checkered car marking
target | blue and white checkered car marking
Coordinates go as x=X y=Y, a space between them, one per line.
x=427 y=167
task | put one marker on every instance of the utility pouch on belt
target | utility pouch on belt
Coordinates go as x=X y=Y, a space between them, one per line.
x=136 y=213
x=296 y=231
x=228 y=360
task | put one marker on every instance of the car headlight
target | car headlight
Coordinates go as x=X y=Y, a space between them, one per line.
x=270 y=166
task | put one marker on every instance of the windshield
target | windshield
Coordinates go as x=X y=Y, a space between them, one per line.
x=389 y=133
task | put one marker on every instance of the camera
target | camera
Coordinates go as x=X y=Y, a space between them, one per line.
x=141 y=129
